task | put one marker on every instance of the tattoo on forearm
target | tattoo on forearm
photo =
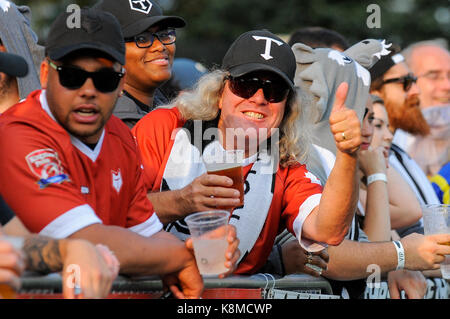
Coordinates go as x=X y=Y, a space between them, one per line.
x=42 y=254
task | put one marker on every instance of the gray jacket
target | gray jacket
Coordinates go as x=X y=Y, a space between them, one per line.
x=129 y=111
x=18 y=38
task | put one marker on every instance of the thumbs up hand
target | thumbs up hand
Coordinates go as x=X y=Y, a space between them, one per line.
x=344 y=123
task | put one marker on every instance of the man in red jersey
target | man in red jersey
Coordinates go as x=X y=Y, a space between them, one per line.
x=78 y=168
x=245 y=106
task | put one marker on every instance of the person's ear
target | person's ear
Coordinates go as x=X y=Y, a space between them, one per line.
x=220 y=101
x=377 y=92
x=221 y=98
x=44 y=74
x=122 y=83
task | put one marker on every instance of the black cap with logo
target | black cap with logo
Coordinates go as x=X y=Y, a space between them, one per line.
x=97 y=30
x=13 y=65
x=136 y=16
x=260 y=50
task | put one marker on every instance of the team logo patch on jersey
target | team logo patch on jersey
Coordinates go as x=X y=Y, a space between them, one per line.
x=117 y=180
x=45 y=164
x=143 y=6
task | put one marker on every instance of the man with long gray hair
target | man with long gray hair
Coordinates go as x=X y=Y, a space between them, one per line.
x=250 y=105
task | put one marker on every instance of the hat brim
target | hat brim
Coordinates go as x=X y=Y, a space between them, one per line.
x=13 y=64
x=143 y=24
x=62 y=52
x=243 y=69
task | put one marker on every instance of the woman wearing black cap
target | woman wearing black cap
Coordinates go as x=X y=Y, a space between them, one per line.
x=150 y=48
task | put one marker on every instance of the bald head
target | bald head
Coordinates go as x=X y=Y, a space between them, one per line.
x=431 y=63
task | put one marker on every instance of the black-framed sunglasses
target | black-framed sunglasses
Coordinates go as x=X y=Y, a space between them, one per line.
x=145 y=39
x=275 y=90
x=406 y=80
x=105 y=80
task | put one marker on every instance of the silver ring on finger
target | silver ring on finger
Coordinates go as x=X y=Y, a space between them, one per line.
x=315 y=268
x=309 y=257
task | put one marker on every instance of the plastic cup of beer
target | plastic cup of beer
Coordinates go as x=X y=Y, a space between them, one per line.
x=209 y=231
x=228 y=163
x=436 y=220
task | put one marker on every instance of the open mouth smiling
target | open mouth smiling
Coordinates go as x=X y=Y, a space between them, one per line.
x=254 y=115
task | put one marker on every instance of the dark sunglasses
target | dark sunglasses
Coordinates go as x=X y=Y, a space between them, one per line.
x=275 y=90
x=406 y=80
x=105 y=80
x=145 y=39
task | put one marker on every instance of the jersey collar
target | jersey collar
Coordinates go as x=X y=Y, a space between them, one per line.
x=83 y=148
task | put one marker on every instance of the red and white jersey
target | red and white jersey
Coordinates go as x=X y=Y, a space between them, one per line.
x=296 y=193
x=57 y=185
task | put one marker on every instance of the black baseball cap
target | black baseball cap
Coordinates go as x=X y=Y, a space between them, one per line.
x=97 y=30
x=260 y=50
x=13 y=64
x=386 y=62
x=136 y=16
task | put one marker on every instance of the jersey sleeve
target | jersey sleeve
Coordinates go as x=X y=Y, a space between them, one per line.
x=302 y=194
x=153 y=134
x=36 y=183
x=141 y=217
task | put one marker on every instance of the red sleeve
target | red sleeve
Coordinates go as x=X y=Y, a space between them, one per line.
x=141 y=216
x=153 y=135
x=35 y=180
x=301 y=194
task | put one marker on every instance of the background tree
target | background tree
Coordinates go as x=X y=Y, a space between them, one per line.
x=214 y=24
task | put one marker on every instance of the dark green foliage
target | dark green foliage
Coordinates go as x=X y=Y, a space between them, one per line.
x=214 y=24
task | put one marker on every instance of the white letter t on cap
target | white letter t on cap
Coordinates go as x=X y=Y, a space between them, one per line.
x=269 y=41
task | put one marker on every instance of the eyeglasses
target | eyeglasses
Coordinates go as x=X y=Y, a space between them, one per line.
x=246 y=86
x=145 y=39
x=105 y=80
x=406 y=80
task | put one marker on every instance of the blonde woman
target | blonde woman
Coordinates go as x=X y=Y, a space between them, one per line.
x=372 y=186
x=404 y=208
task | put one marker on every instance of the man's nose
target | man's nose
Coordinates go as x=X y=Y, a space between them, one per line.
x=88 y=88
x=259 y=97
x=414 y=90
